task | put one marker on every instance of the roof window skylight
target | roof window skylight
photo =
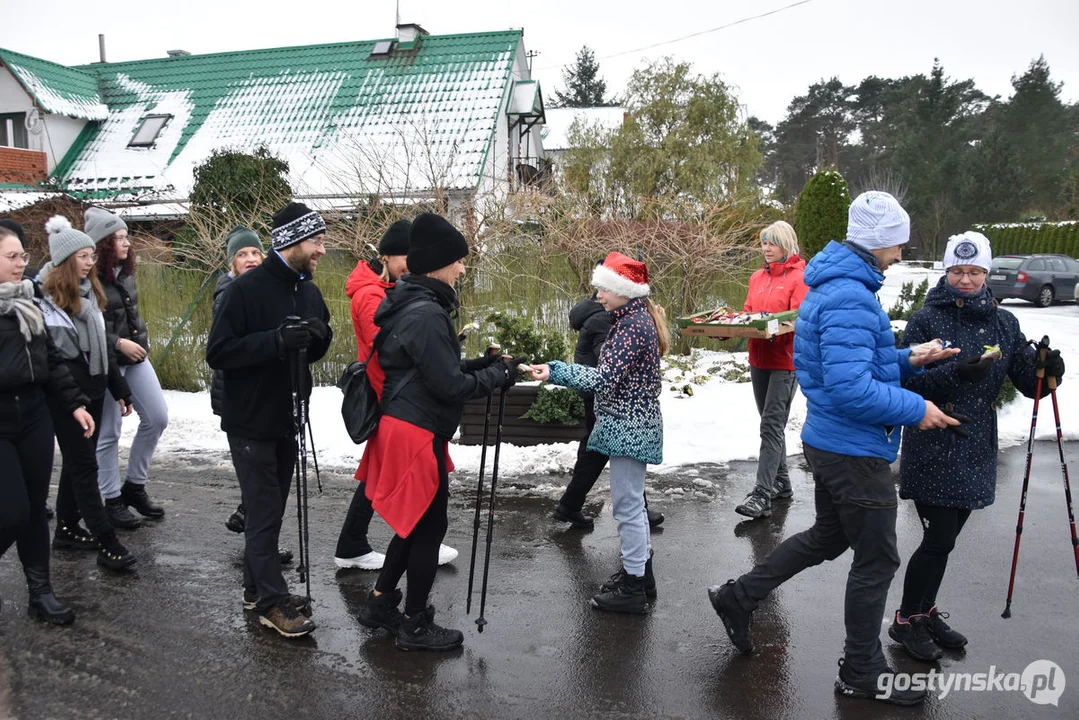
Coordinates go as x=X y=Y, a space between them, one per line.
x=382 y=47
x=151 y=127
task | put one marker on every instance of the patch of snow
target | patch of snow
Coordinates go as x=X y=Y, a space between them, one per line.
x=60 y=102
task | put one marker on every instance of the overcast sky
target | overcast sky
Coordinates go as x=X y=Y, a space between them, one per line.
x=768 y=60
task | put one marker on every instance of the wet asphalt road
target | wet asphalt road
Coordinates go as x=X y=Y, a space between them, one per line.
x=172 y=642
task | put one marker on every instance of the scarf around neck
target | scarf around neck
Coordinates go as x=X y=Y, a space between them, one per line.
x=90 y=325
x=18 y=299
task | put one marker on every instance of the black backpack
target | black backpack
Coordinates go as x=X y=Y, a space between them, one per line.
x=360 y=407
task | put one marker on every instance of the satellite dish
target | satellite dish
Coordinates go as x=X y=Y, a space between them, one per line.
x=33 y=122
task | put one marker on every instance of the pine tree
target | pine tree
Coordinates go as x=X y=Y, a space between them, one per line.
x=822 y=212
x=584 y=87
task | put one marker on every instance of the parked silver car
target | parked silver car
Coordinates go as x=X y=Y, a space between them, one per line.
x=1041 y=279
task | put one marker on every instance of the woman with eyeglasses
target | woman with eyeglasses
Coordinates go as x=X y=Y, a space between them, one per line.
x=72 y=303
x=127 y=334
x=31 y=374
x=947 y=474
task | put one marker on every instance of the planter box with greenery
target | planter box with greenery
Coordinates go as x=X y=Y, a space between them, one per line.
x=535 y=414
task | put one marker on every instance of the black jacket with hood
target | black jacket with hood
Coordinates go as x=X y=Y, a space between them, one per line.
x=122 y=319
x=417 y=331
x=592 y=324
x=217 y=380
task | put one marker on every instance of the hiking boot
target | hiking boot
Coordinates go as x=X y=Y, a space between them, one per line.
x=420 y=632
x=72 y=536
x=119 y=516
x=381 y=611
x=114 y=556
x=626 y=597
x=446 y=554
x=237 y=520
x=368 y=561
x=942 y=633
x=134 y=496
x=284 y=555
x=655 y=517
x=784 y=493
x=736 y=619
x=649 y=580
x=874 y=686
x=287 y=620
x=576 y=518
x=755 y=506
x=913 y=635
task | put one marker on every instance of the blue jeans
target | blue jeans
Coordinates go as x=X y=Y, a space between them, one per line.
x=627 y=502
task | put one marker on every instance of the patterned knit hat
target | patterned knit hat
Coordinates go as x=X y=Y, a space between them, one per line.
x=876 y=221
x=295 y=223
x=969 y=248
x=64 y=240
x=622 y=276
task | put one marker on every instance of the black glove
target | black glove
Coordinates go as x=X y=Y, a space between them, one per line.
x=483 y=361
x=1053 y=364
x=959 y=429
x=975 y=369
x=293 y=335
x=319 y=329
x=511 y=371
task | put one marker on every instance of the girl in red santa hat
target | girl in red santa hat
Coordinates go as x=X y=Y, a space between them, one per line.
x=629 y=425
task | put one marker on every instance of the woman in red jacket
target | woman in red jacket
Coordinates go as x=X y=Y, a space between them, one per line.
x=366 y=287
x=776 y=287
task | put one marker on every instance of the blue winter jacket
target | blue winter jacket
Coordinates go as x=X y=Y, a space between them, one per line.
x=938 y=467
x=626 y=386
x=846 y=361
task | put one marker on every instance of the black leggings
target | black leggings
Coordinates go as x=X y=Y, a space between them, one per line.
x=925 y=571
x=26 y=449
x=78 y=495
x=417 y=554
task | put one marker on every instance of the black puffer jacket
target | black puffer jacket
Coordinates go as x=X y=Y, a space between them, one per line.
x=24 y=365
x=122 y=313
x=243 y=342
x=592 y=324
x=217 y=381
x=417 y=332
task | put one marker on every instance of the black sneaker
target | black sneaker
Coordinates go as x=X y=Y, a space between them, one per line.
x=420 y=632
x=755 y=506
x=627 y=596
x=381 y=611
x=655 y=517
x=114 y=556
x=874 y=686
x=736 y=620
x=236 y=521
x=913 y=635
x=576 y=518
x=251 y=599
x=134 y=496
x=72 y=536
x=649 y=580
x=119 y=516
x=942 y=633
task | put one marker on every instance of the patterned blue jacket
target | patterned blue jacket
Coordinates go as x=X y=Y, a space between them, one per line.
x=938 y=467
x=846 y=360
x=626 y=386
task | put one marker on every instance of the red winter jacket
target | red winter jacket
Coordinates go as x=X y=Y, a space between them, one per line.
x=775 y=288
x=366 y=290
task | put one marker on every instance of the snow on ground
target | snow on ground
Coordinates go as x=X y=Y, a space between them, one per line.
x=717 y=424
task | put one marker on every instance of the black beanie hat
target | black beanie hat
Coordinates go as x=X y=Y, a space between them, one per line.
x=395 y=240
x=434 y=243
x=15 y=228
x=295 y=223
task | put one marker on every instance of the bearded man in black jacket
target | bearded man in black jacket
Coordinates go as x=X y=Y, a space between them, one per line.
x=253 y=338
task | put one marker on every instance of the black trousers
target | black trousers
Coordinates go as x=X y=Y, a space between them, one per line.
x=264 y=469
x=78 y=495
x=418 y=553
x=925 y=571
x=352 y=541
x=26 y=453
x=589 y=465
x=856 y=508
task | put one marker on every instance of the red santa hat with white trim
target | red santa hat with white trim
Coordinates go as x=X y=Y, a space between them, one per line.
x=622 y=276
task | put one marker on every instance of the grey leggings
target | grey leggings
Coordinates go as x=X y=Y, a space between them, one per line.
x=153 y=419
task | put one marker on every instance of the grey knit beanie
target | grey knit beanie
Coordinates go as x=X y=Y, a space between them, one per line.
x=64 y=240
x=102 y=223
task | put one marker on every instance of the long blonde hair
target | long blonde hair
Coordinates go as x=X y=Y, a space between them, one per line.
x=62 y=285
x=659 y=317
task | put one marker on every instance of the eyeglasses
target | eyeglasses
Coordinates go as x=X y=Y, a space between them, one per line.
x=92 y=257
x=15 y=257
x=972 y=274
x=320 y=243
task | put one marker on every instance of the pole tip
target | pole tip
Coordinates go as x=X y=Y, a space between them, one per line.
x=1007 y=612
x=480 y=622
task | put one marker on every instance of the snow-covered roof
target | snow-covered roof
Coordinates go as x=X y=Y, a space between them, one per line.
x=559 y=120
x=347 y=122
x=15 y=199
x=57 y=89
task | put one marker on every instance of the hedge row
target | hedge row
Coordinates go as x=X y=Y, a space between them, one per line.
x=1035 y=237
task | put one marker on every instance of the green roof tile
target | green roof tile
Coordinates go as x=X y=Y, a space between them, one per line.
x=57 y=89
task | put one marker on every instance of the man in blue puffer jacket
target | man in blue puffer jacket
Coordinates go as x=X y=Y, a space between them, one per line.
x=850 y=371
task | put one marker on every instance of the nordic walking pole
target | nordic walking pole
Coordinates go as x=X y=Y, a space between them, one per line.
x=480 y=621
x=479 y=488
x=1064 y=470
x=1043 y=350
